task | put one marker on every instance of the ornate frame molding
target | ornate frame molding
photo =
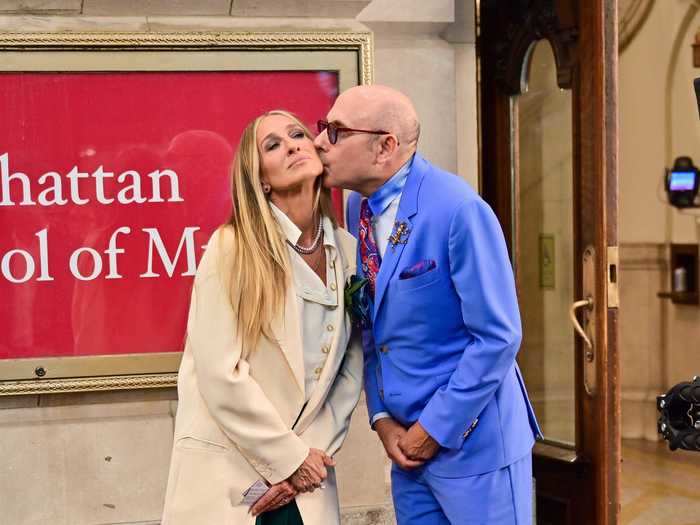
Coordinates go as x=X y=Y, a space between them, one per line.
x=141 y=371
x=90 y=384
x=268 y=41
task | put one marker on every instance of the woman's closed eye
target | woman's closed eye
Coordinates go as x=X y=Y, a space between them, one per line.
x=269 y=146
x=296 y=134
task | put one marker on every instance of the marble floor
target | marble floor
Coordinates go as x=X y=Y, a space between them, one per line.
x=659 y=487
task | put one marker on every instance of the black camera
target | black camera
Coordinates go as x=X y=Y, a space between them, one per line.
x=679 y=423
x=682 y=183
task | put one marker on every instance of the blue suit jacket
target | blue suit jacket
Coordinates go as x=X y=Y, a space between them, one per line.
x=443 y=343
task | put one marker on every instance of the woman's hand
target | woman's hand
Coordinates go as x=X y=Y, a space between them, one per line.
x=312 y=471
x=277 y=496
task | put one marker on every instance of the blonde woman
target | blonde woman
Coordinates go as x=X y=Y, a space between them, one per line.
x=269 y=376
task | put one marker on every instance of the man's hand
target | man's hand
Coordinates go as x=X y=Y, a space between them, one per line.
x=417 y=444
x=312 y=471
x=391 y=432
x=278 y=496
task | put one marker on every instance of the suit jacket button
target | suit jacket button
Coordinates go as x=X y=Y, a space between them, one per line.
x=384 y=349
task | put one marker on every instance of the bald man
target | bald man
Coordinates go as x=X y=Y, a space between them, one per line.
x=444 y=392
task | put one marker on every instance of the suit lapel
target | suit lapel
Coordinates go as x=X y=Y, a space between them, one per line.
x=391 y=257
x=287 y=330
x=408 y=207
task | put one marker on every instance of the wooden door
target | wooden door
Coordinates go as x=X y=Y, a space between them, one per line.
x=548 y=81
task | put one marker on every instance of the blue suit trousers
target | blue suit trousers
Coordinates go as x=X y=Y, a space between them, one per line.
x=501 y=497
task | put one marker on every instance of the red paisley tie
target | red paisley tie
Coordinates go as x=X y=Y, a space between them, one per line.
x=369 y=254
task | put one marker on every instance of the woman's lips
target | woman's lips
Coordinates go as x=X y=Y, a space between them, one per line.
x=297 y=161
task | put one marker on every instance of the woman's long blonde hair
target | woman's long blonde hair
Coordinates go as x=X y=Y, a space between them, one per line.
x=261 y=270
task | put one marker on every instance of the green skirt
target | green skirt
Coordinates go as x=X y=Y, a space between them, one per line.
x=287 y=515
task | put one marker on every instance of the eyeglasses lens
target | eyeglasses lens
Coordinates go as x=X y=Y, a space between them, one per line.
x=332 y=130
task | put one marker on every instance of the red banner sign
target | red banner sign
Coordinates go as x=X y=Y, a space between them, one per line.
x=110 y=186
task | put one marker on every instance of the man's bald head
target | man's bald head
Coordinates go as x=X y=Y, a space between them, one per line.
x=359 y=158
x=382 y=107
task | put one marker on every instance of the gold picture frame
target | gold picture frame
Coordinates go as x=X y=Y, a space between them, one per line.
x=350 y=54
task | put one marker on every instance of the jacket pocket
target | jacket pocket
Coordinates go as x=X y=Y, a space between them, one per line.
x=208 y=482
x=202 y=445
x=424 y=279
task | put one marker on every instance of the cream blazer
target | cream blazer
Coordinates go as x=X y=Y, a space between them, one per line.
x=236 y=417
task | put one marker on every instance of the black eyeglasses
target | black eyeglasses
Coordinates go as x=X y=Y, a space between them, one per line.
x=333 y=130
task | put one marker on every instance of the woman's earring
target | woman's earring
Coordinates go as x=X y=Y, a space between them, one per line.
x=266 y=187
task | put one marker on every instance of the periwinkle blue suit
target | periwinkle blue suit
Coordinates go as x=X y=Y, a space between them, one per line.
x=443 y=344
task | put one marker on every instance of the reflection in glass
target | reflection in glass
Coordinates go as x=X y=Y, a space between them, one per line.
x=544 y=262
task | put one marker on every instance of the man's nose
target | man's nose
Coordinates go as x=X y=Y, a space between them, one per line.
x=321 y=140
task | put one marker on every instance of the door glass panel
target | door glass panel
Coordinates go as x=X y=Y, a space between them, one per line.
x=544 y=265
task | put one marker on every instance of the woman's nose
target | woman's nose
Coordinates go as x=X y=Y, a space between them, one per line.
x=291 y=148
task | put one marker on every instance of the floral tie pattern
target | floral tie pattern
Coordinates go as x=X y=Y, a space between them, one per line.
x=369 y=254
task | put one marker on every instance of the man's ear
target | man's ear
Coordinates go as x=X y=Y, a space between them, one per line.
x=386 y=147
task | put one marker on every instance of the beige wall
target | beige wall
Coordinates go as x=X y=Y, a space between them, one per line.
x=650 y=136
x=642 y=314
x=103 y=457
x=659 y=341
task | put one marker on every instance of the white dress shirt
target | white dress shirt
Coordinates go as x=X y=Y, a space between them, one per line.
x=316 y=302
x=383 y=225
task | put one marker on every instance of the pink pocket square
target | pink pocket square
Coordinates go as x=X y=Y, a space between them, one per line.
x=417 y=269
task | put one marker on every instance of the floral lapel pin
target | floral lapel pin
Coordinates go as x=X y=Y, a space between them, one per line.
x=400 y=234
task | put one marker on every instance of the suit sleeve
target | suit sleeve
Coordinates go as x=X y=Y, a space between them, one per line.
x=330 y=427
x=483 y=278
x=233 y=397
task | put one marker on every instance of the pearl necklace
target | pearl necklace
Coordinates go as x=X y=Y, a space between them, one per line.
x=307 y=250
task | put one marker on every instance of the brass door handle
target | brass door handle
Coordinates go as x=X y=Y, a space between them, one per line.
x=588 y=320
x=585 y=303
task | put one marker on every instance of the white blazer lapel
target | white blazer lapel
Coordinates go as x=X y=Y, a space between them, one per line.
x=286 y=329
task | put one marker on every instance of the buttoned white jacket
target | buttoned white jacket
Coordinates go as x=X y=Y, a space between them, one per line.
x=236 y=417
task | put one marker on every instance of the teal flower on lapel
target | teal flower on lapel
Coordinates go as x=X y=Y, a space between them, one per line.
x=357 y=301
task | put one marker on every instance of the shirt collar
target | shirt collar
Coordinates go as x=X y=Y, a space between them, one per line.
x=292 y=232
x=379 y=201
